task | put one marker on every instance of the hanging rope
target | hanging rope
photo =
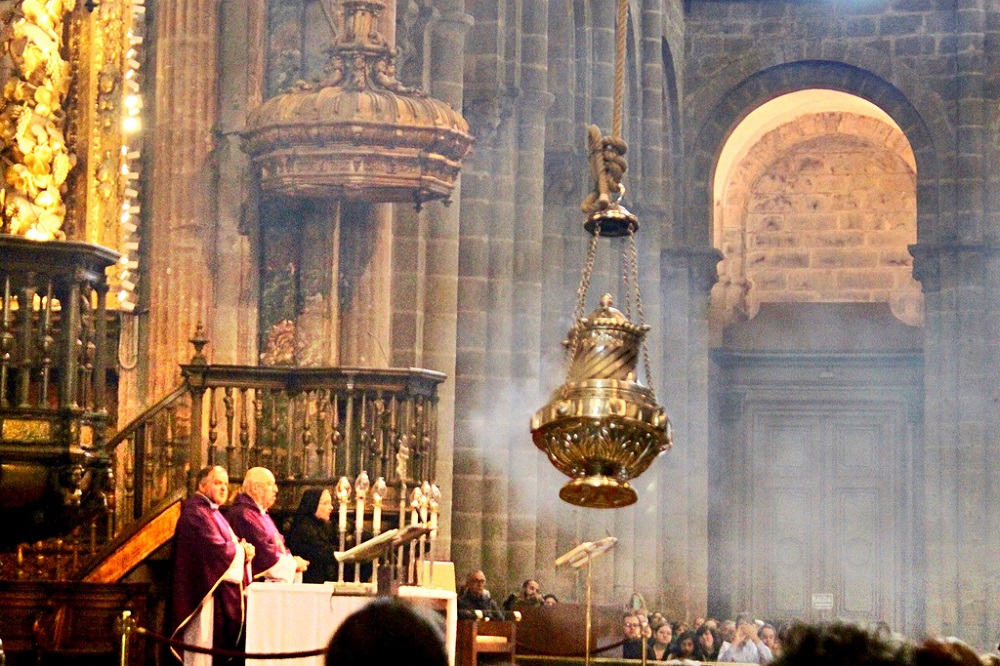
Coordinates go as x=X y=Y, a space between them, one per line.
x=620 y=32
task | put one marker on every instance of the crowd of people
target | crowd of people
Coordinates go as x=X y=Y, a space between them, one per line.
x=217 y=555
x=746 y=640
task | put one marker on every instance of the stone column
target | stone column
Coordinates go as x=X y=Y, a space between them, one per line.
x=687 y=276
x=958 y=448
x=364 y=285
x=241 y=81
x=525 y=493
x=182 y=196
x=446 y=68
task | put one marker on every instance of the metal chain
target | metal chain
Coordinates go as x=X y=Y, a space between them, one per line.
x=647 y=365
x=581 y=291
x=626 y=282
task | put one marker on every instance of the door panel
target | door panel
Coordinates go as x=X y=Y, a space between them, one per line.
x=822 y=488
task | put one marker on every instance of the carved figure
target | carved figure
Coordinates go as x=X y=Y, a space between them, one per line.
x=33 y=147
x=606 y=156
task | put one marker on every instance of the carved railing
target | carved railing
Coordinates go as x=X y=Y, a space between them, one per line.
x=310 y=426
x=53 y=385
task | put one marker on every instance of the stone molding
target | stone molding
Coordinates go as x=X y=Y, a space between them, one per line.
x=700 y=262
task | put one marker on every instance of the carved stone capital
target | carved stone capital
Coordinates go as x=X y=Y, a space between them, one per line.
x=452 y=23
x=701 y=263
x=937 y=264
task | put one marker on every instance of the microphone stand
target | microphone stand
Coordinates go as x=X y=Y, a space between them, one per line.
x=586 y=553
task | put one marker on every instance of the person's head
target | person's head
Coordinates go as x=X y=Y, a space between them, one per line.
x=707 y=640
x=315 y=503
x=698 y=621
x=387 y=628
x=727 y=631
x=530 y=589
x=745 y=631
x=946 y=652
x=839 y=643
x=685 y=645
x=768 y=636
x=632 y=626
x=259 y=485
x=475 y=584
x=550 y=599
x=711 y=622
x=663 y=633
x=213 y=483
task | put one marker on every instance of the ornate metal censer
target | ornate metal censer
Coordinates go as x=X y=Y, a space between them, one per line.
x=602 y=428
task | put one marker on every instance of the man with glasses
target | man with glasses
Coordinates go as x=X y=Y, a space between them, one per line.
x=475 y=597
x=632 y=645
x=250 y=520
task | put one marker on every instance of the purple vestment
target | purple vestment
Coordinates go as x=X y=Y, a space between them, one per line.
x=204 y=550
x=251 y=523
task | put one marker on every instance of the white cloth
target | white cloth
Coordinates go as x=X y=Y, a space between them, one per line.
x=200 y=629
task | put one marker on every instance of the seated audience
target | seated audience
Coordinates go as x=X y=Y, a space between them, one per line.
x=310 y=535
x=769 y=637
x=838 y=644
x=386 y=630
x=684 y=647
x=662 y=641
x=746 y=647
x=530 y=595
x=632 y=636
x=707 y=643
x=550 y=599
x=475 y=597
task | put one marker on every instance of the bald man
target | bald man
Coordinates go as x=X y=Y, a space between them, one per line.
x=250 y=520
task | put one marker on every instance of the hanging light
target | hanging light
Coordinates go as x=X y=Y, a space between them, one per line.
x=601 y=427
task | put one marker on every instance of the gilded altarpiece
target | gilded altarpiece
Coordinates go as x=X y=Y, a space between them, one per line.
x=71 y=126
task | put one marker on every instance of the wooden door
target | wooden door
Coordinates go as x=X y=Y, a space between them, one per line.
x=823 y=487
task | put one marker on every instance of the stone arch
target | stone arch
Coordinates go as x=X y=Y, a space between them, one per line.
x=927 y=131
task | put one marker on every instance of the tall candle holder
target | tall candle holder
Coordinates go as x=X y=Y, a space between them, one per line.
x=343 y=497
x=361 y=486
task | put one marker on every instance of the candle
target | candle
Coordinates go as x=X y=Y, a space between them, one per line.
x=343 y=496
x=377 y=494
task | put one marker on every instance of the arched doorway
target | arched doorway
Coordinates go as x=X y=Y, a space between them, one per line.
x=816 y=380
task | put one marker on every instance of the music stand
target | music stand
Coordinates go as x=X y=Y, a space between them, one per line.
x=583 y=554
x=384 y=544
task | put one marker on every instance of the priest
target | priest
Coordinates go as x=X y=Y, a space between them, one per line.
x=249 y=518
x=211 y=568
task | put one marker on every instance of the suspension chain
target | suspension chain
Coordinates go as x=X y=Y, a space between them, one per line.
x=581 y=291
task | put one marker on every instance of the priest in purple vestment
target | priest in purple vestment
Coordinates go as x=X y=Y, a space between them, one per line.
x=250 y=520
x=211 y=568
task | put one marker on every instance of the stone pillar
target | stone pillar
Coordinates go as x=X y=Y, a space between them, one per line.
x=182 y=198
x=446 y=68
x=958 y=447
x=524 y=495
x=364 y=285
x=687 y=275
x=241 y=81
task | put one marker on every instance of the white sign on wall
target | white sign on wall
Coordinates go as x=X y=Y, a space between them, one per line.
x=822 y=600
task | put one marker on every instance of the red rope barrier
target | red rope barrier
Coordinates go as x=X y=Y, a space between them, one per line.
x=218 y=652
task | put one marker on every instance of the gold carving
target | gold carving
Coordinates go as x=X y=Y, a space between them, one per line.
x=358 y=134
x=280 y=347
x=25 y=430
x=32 y=121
